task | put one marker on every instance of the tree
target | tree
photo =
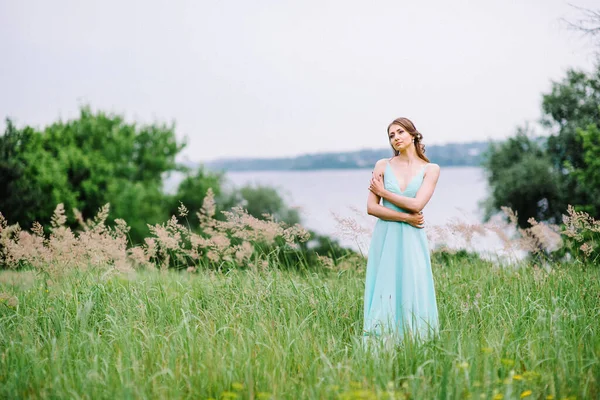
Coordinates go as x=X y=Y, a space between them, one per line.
x=588 y=24
x=588 y=175
x=85 y=163
x=541 y=179
x=259 y=200
x=521 y=177
x=571 y=107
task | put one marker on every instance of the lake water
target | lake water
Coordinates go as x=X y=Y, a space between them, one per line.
x=323 y=194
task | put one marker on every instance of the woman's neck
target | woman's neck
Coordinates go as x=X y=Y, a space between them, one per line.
x=409 y=156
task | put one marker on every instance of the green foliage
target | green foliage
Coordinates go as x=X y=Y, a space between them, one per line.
x=260 y=199
x=85 y=163
x=572 y=105
x=139 y=204
x=98 y=158
x=587 y=175
x=541 y=180
x=20 y=200
x=521 y=177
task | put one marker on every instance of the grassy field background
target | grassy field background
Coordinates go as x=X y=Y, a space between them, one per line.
x=517 y=332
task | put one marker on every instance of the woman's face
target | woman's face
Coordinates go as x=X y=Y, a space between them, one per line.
x=399 y=138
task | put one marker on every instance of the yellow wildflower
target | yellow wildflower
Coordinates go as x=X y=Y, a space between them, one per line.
x=530 y=375
x=508 y=362
x=237 y=386
x=355 y=385
x=229 y=395
x=498 y=396
x=550 y=397
x=518 y=377
x=363 y=394
x=526 y=393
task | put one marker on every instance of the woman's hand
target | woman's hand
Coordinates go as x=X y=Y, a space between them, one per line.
x=416 y=219
x=376 y=185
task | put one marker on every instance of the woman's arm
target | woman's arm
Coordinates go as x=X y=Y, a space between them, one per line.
x=377 y=210
x=385 y=213
x=415 y=204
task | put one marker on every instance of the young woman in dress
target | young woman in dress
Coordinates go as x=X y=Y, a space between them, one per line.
x=399 y=294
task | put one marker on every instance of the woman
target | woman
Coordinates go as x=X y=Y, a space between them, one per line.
x=399 y=292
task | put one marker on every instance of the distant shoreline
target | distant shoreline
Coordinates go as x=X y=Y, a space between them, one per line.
x=456 y=154
x=227 y=170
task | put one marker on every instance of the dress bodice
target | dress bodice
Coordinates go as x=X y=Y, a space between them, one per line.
x=390 y=183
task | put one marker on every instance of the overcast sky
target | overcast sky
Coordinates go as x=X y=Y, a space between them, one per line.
x=276 y=78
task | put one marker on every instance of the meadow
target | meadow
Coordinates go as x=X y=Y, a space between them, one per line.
x=238 y=310
x=506 y=332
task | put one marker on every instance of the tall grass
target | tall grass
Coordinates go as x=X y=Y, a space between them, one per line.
x=271 y=333
x=225 y=313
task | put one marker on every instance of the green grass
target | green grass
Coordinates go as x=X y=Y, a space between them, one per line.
x=285 y=335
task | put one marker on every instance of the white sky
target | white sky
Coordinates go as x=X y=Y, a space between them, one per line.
x=275 y=78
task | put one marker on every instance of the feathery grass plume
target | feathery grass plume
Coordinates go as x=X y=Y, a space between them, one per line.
x=9 y=300
x=182 y=210
x=465 y=230
x=540 y=239
x=235 y=240
x=582 y=234
x=245 y=226
x=500 y=228
x=587 y=248
x=58 y=217
x=37 y=229
x=577 y=222
x=79 y=219
x=326 y=262
x=353 y=262
x=208 y=204
x=350 y=228
x=243 y=252
x=95 y=246
x=241 y=238
x=547 y=235
x=458 y=235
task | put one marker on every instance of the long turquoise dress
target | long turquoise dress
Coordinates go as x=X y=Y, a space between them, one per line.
x=399 y=294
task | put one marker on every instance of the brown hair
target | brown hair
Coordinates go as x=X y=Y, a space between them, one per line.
x=417 y=137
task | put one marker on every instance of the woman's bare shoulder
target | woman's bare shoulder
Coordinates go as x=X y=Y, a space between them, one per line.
x=380 y=165
x=432 y=168
x=381 y=162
